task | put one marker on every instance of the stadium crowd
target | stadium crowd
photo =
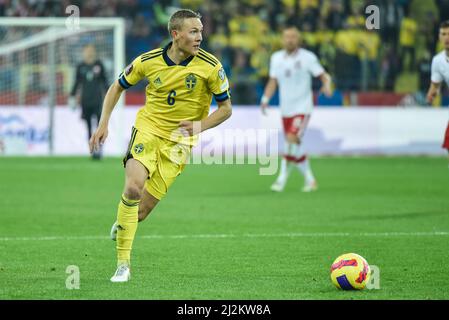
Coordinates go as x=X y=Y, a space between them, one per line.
x=243 y=34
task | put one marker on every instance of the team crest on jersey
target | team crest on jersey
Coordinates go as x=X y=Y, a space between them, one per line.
x=138 y=148
x=190 y=81
x=129 y=69
x=221 y=74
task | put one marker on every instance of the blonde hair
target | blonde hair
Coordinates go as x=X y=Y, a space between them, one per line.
x=177 y=18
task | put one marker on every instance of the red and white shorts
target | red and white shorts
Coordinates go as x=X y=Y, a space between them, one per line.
x=446 y=138
x=296 y=125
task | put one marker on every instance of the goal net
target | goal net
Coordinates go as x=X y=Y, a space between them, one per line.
x=38 y=59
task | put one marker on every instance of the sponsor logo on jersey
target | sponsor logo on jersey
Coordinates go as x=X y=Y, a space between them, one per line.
x=157 y=82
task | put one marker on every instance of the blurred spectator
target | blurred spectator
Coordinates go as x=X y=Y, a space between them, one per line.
x=127 y=8
x=389 y=68
x=108 y=9
x=309 y=38
x=424 y=71
x=3 y=6
x=243 y=32
x=405 y=5
x=245 y=29
x=390 y=19
x=443 y=8
x=243 y=80
x=430 y=30
x=141 y=38
x=336 y=17
x=407 y=42
x=346 y=42
x=326 y=49
x=309 y=16
x=369 y=41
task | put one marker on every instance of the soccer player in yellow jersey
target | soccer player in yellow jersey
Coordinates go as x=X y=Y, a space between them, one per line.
x=181 y=81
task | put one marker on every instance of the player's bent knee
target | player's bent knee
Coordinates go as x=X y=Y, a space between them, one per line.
x=133 y=191
x=292 y=138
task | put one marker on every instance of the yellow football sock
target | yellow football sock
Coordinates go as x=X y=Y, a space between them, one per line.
x=127 y=217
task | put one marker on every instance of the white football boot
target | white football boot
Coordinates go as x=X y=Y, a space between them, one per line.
x=281 y=181
x=309 y=187
x=113 y=232
x=279 y=184
x=122 y=274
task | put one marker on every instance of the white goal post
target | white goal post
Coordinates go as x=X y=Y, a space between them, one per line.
x=38 y=59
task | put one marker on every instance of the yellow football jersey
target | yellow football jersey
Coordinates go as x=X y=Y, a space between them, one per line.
x=175 y=92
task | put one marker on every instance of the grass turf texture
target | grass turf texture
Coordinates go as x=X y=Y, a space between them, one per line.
x=254 y=259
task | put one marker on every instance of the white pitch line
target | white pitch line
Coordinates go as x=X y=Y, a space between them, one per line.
x=245 y=235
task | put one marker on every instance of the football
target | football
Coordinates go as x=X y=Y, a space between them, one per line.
x=350 y=271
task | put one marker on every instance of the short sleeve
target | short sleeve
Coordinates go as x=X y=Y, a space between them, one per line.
x=132 y=74
x=435 y=75
x=273 y=68
x=218 y=84
x=315 y=67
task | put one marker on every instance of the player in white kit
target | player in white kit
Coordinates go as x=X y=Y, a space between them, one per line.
x=292 y=70
x=440 y=72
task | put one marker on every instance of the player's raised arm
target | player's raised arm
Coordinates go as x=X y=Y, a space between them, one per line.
x=220 y=115
x=130 y=76
x=110 y=100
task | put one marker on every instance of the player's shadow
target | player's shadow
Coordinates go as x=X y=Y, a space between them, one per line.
x=393 y=216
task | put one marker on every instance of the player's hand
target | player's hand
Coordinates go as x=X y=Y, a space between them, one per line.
x=263 y=108
x=98 y=138
x=71 y=101
x=190 y=128
x=431 y=96
x=327 y=91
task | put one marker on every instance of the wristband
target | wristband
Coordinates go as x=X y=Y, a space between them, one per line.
x=265 y=99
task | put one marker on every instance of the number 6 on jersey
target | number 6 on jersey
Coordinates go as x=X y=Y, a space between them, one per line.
x=170 y=99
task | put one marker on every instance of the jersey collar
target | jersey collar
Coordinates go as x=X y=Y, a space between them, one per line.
x=169 y=61
x=293 y=54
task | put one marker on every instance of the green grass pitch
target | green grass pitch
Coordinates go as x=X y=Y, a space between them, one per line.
x=221 y=234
